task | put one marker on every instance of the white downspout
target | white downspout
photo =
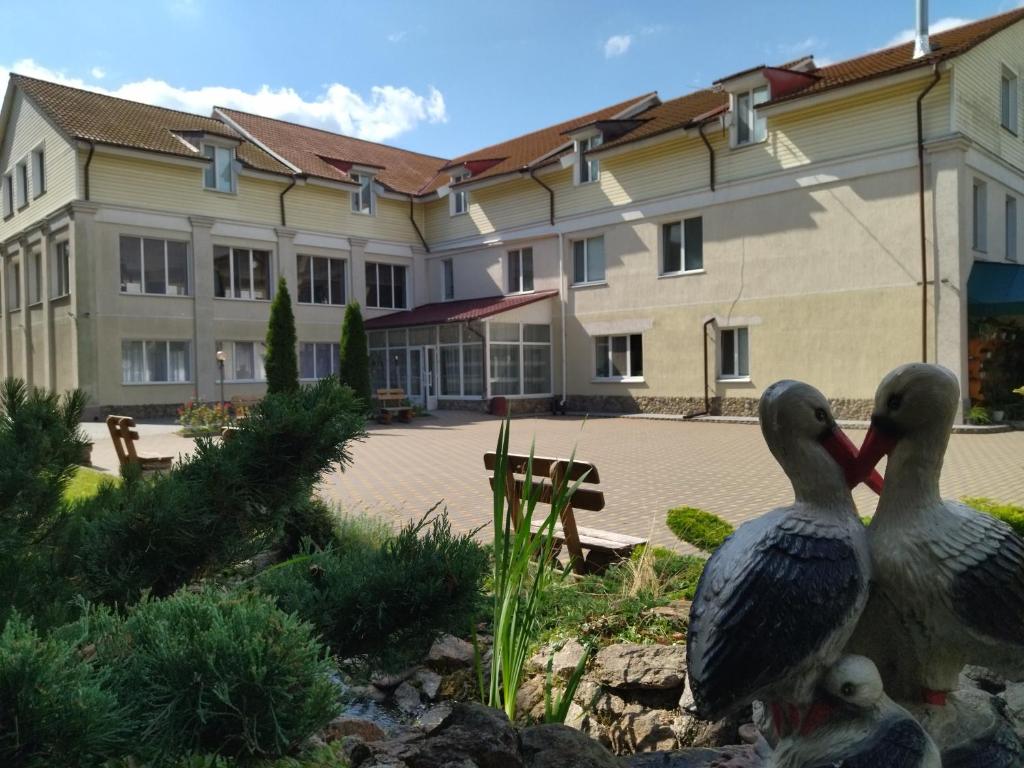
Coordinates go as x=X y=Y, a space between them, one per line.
x=562 y=298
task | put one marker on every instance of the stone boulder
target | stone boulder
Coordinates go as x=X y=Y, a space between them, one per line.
x=650 y=667
x=727 y=757
x=558 y=746
x=449 y=653
x=1014 y=698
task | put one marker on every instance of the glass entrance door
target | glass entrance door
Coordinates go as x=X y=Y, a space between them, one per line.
x=416 y=376
x=429 y=377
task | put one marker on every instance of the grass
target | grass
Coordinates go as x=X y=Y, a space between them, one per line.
x=1011 y=514
x=702 y=529
x=86 y=483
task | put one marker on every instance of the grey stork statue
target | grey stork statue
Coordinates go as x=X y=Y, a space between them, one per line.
x=778 y=601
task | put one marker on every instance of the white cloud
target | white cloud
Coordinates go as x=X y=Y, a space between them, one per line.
x=386 y=112
x=941 y=25
x=807 y=45
x=617 y=45
x=397 y=37
x=98 y=72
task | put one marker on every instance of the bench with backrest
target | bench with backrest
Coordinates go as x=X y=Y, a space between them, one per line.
x=391 y=404
x=125 y=435
x=603 y=547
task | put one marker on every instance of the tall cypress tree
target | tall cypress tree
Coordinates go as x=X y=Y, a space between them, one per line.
x=281 y=362
x=354 y=365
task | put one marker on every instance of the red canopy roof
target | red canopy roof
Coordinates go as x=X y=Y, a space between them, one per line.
x=456 y=311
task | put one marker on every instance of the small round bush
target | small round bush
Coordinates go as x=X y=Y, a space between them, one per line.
x=699 y=528
x=55 y=708
x=207 y=672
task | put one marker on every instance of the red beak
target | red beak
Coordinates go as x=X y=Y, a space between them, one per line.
x=842 y=449
x=877 y=444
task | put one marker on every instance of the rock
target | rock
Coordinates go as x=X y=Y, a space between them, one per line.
x=387 y=681
x=460 y=685
x=364 y=729
x=432 y=719
x=729 y=757
x=407 y=698
x=429 y=682
x=1014 y=698
x=563 y=659
x=449 y=652
x=472 y=732
x=530 y=698
x=627 y=665
x=558 y=746
x=676 y=612
x=367 y=693
x=986 y=679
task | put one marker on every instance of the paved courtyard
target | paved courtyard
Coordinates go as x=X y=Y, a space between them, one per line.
x=646 y=467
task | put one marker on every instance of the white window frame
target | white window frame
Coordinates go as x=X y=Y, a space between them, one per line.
x=142 y=266
x=13 y=276
x=518 y=256
x=1011 y=228
x=331 y=266
x=252 y=272
x=1009 y=100
x=38 y=171
x=217 y=149
x=335 y=353
x=628 y=378
x=8 y=195
x=587 y=171
x=361 y=205
x=408 y=288
x=662 y=272
x=586 y=262
x=61 y=272
x=447 y=279
x=35 y=277
x=521 y=344
x=736 y=375
x=21 y=184
x=754 y=96
x=259 y=359
x=979 y=216
x=458 y=199
x=167 y=353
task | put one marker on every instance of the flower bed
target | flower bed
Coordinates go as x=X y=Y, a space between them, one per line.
x=197 y=418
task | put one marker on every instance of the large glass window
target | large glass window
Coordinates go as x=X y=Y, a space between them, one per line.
x=243 y=360
x=520 y=359
x=35 y=277
x=318 y=360
x=22 y=188
x=1008 y=101
x=459 y=197
x=619 y=357
x=589 y=169
x=734 y=353
x=588 y=260
x=241 y=273
x=219 y=174
x=751 y=126
x=13 y=284
x=8 y=195
x=153 y=265
x=61 y=269
x=682 y=246
x=156 y=362
x=448 y=278
x=38 y=172
x=362 y=199
x=321 y=280
x=385 y=286
x=520 y=270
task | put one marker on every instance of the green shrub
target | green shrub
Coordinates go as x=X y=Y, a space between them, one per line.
x=55 y=709
x=281 y=362
x=388 y=603
x=354 y=355
x=198 y=418
x=312 y=521
x=1011 y=514
x=207 y=672
x=699 y=528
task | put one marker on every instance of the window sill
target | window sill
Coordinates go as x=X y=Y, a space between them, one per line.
x=325 y=305
x=363 y=213
x=458 y=213
x=588 y=182
x=60 y=296
x=22 y=207
x=221 y=191
x=748 y=144
x=12 y=310
x=219 y=298
x=36 y=197
x=591 y=284
x=394 y=309
x=1009 y=130
x=245 y=381
x=683 y=273
x=36 y=303
x=157 y=383
x=617 y=380
x=9 y=216
x=160 y=295
x=733 y=380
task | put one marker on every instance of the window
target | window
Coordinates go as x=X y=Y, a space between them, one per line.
x=1011 y=228
x=22 y=186
x=318 y=360
x=362 y=199
x=750 y=126
x=321 y=280
x=520 y=357
x=1008 y=101
x=243 y=360
x=979 y=230
x=13 y=285
x=154 y=265
x=219 y=174
x=241 y=273
x=682 y=246
x=734 y=353
x=156 y=362
x=459 y=197
x=61 y=270
x=38 y=173
x=619 y=357
x=588 y=260
x=587 y=169
x=448 y=278
x=520 y=270
x=385 y=286
x=35 y=278
x=8 y=193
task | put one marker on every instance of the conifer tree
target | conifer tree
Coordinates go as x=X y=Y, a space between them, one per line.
x=281 y=362
x=354 y=365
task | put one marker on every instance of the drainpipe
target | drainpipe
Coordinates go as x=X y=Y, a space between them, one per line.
x=417 y=227
x=561 y=301
x=551 y=197
x=284 y=219
x=921 y=213
x=88 y=162
x=711 y=154
x=707 y=385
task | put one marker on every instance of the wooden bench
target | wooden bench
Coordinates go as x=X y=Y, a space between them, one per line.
x=604 y=547
x=391 y=405
x=124 y=434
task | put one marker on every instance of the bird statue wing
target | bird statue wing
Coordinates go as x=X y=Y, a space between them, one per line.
x=987 y=561
x=896 y=744
x=769 y=598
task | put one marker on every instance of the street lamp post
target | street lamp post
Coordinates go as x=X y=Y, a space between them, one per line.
x=221 y=357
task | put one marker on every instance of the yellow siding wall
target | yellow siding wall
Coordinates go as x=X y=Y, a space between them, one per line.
x=978 y=74
x=322 y=209
x=26 y=130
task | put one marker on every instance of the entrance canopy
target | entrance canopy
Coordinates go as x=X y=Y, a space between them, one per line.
x=996 y=289
x=464 y=311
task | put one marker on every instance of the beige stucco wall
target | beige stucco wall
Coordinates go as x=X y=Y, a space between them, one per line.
x=483 y=271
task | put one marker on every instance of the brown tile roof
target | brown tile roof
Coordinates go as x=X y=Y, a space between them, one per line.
x=524 y=150
x=117 y=122
x=312 y=149
x=456 y=311
x=673 y=114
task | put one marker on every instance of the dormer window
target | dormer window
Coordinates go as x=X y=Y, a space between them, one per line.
x=587 y=169
x=220 y=172
x=362 y=198
x=459 y=197
x=749 y=127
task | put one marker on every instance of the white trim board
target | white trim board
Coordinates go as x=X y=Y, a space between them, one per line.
x=388 y=249
x=312 y=240
x=243 y=231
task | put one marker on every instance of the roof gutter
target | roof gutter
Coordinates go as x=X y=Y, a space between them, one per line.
x=417 y=226
x=284 y=219
x=936 y=76
x=551 y=197
x=88 y=162
x=711 y=154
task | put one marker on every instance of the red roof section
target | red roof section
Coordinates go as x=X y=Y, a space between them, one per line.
x=463 y=311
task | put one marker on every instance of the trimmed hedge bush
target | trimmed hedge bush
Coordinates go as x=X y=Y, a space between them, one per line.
x=354 y=355
x=388 y=603
x=699 y=528
x=1011 y=514
x=55 y=709
x=281 y=361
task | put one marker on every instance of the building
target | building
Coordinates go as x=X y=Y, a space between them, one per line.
x=819 y=223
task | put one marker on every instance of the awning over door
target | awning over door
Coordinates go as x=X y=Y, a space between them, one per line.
x=996 y=289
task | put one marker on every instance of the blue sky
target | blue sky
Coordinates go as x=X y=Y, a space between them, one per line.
x=436 y=76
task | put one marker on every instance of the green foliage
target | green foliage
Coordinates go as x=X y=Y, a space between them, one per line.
x=86 y=482
x=979 y=414
x=215 y=672
x=1011 y=514
x=204 y=418
x=699 y=528
x=388 y=602
x=55 y=709
x=354 y=362
x=311 y=521
x=557 y=708
x=281 y=362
